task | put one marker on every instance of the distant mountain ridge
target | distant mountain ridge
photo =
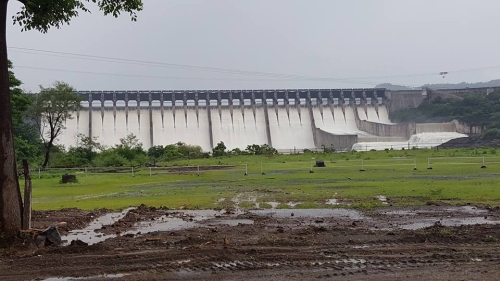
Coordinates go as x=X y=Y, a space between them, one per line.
x=462 y=85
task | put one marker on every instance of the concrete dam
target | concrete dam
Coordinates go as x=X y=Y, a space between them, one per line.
x=288 y=120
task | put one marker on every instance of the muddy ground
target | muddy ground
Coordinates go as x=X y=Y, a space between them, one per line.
x=413 y=243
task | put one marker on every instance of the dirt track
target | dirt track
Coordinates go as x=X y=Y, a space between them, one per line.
x=266 y=246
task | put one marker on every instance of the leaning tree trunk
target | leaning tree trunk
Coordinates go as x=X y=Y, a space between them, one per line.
x=10 y=194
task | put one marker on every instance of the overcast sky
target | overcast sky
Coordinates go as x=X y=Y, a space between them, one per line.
x=349 y=43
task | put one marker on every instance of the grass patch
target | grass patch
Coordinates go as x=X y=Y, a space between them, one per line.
x=287 y=179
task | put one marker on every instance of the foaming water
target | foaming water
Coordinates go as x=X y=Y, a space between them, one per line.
x=423 y=140
x=439 y=138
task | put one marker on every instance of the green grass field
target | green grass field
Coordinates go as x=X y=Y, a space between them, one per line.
x=456 y=177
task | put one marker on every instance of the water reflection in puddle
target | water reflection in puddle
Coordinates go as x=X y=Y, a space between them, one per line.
x=382 y=199
x=448 y=222
x=410 y=219
x=174 y=220
x=316 y=213
x=88 y=234
x=451 y=211
x=231 y=222
x=332 y=202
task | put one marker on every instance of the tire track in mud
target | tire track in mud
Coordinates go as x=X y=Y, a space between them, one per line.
x=336 y=266
x=337 y=260
x=362 y=261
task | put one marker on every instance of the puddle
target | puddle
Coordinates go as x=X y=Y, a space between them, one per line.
x=244 y=197
x=382 y=199
x=332 y=202
x=468 y=209
x=316 y=213
x=174 y=220
x=88 y=234
x=448 y=222
x=421 y=217
x=293 y=204
x=274 y=205
x=451 y=211
x=160 y=224
x=361 y=247
x=105 y=276
x=234 y=222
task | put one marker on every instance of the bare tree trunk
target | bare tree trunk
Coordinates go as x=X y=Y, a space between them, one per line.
x=10 y=194
x=47 y=156
x=27 y=195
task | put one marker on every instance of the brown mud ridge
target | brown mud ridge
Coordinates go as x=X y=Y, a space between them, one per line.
x=145 y=243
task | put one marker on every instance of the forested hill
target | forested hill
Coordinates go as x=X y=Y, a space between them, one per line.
x=463 y=85
x=473 y=110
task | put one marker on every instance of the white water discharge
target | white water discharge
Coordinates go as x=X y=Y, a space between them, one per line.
x=187 y=128
x=340 y=124
x=362 y=113
x=106 y=129
x=288 y=130
x=423 y=140
x=383 y=115
x=244 y=128
x=73 y=128
x=293 y=131
x=372 y=114
x=121 y=128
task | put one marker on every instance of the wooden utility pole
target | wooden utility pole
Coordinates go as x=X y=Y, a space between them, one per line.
x=27 y=195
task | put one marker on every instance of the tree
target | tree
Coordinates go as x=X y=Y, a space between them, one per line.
x=20 y=101
x=131 y=149
x=81 y=155
x=155 y=153
x=219 y=149
x=50 y=110
x=38 y=15
x=26 y=138
x=264 y=149
x=89 y=147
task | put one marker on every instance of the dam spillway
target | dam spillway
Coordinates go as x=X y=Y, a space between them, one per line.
x=285 y=119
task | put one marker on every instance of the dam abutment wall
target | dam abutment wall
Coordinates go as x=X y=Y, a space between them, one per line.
x=396 y=100
x=339 y=142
